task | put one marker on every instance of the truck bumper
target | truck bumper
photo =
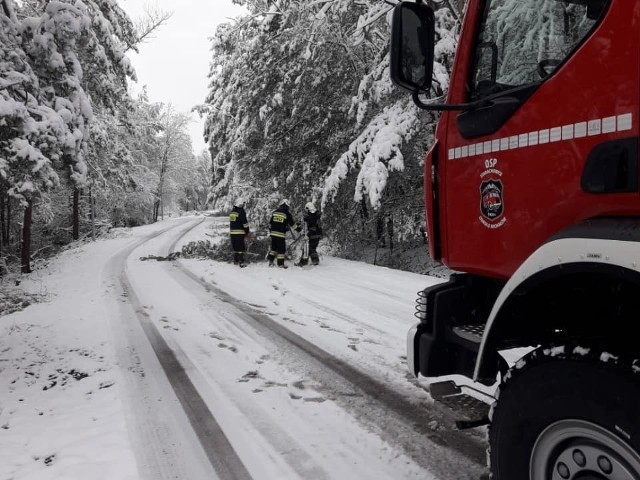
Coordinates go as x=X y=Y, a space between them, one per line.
x=452 y=319
x=412 y=363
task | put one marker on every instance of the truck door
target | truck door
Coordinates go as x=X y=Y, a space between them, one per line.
x=557 y=138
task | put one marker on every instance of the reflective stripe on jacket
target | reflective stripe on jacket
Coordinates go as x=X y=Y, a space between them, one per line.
x=238 y=223
x=281 y=221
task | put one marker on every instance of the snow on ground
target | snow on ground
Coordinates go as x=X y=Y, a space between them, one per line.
x=67 y=407
x=60 y=415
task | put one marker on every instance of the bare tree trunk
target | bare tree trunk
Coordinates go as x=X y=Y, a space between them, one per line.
x=380 y=240
x=5 y=201
x=93 y=215
x=75 y=218
x=159 y=207
x=160 y=188
x=8 y=230
x=26 y=239
x=156 y=210
x=2 y=227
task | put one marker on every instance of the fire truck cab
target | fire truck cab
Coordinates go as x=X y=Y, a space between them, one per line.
x=532 y=197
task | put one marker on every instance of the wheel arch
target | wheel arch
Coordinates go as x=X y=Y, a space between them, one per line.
x=581 y=285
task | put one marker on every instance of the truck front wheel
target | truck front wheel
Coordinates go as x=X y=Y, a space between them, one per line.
x=566 y=413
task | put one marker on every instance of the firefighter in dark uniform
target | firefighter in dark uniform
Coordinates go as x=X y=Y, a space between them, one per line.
x=314 y=231
x=281 y=221
x=238 y=231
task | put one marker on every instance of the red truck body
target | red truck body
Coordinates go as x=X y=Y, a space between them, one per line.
x=532 y=197
x=539 y=154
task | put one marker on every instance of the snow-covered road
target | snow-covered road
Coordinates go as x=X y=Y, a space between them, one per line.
x=258 y=373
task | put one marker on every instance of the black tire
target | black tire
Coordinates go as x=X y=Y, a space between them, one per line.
x=567 y=416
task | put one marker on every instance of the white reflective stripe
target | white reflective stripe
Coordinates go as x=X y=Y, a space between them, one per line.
x=544 y=135
x=609 y=125
x=625 y=122
x=585 y=128
x=523 y=140
x=594 y=127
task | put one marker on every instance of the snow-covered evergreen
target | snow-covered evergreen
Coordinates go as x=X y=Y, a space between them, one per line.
x=301 y=105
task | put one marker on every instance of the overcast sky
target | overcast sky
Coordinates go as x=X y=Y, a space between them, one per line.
x=175 y=63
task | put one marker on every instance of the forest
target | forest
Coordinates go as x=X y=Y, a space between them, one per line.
x=300 y=106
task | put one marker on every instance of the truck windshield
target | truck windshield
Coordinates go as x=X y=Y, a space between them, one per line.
x=521 y=42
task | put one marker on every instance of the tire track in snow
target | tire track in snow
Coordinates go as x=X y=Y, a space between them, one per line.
x=414 y=427
x=217 y=447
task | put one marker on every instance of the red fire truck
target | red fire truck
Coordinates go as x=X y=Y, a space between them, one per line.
x=532 y=198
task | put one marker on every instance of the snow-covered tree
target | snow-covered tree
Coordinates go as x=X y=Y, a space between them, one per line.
x=118 y=156
x=61 y=62
x=193 y=181
x=173 y=157
x=40 y=126
x=301 y=105
x=278 y=109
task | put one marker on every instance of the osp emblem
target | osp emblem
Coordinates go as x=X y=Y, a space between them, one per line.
x=491 y=199
x=491 y=195
x=491 y=203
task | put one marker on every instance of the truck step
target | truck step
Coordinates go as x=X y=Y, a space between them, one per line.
x=471 y=333
x=473 y=412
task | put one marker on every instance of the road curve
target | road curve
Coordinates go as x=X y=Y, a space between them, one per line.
x=388 y=413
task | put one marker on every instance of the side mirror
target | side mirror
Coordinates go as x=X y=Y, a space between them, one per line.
x=412 y=44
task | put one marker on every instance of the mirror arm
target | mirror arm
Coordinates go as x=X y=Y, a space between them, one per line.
x=446 y=106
